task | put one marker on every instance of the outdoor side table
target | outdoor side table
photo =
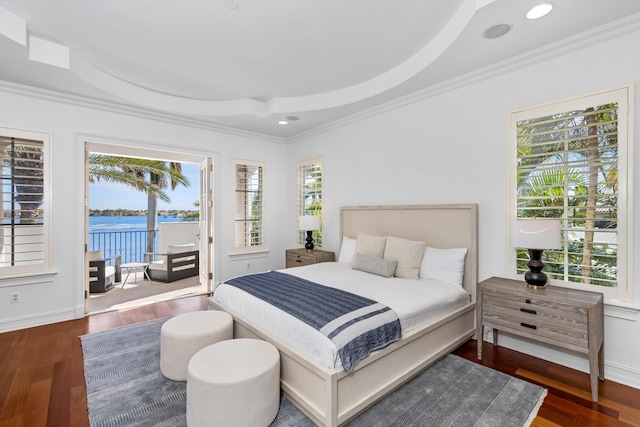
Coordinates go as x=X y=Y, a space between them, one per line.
x=134 y=266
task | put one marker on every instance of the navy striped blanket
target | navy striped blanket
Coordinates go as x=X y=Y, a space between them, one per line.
x=357 y=325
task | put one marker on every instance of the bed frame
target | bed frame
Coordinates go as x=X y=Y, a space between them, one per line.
x=332 y=397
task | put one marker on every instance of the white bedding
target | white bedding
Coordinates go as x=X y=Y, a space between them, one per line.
x=415 y=301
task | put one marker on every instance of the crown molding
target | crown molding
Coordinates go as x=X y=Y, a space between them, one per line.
x=129 y=110
x=598 y=34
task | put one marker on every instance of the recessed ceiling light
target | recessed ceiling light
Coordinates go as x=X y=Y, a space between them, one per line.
x=231 y=4
x=496 y=31
x=293 y=118
x=539 y=11
x=283 y=122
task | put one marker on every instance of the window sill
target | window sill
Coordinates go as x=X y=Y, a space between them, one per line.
x=621 y=310
x=249 y=254
x=27 y=279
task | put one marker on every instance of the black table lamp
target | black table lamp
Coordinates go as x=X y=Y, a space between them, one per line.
x=535 y=235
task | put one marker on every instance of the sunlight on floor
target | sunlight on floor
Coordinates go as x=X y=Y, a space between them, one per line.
x=138 y=292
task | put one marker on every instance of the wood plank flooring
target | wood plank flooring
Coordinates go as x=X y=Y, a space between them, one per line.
x=42 y=380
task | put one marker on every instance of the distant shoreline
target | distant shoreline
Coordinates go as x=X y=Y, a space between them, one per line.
x=131 y=212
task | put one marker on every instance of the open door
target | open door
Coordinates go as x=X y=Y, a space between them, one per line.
x=86 y=229
x=206 y=223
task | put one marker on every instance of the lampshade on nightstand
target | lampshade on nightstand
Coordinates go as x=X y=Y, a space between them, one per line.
x=535 y=235
x=309 y=223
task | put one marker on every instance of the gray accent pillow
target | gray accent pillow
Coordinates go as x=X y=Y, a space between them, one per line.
x=378 y=266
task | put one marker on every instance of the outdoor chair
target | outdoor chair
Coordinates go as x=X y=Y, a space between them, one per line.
x=103 y=272
x=179 y=262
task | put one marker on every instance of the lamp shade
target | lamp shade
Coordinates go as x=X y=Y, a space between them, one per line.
x=536 y=234
x=309 y=222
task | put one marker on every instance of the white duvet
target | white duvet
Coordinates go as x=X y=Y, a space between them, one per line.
x=416 y=302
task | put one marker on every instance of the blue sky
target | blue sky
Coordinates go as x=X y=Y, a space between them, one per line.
x=104 y=195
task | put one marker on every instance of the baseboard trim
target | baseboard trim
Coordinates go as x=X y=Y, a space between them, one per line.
x=40 y=319
x=612 y=372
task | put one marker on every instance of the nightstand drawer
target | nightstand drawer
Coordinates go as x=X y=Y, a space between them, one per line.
x=299 y=260
x=534 y=299
x=300 y=257
x=537 y=325
x=561 y=315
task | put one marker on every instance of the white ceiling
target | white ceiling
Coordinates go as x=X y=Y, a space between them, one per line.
x=250 y=66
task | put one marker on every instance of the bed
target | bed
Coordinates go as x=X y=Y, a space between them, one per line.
x=328 y=394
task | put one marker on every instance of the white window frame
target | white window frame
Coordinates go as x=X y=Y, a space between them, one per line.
x=244 y=248
x=42 y=264
x=301 y=207
x=623 y=96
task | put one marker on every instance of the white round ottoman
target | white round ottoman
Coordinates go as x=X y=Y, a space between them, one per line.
x=234 y=383
x=184 y=335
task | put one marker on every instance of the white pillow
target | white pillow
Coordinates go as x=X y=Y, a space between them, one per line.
x=372 y=246
x=408 y=253
x=94 y=255
x=347 y=249
x=445 y=265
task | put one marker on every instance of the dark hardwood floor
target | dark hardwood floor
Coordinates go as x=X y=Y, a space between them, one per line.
x=42 y=382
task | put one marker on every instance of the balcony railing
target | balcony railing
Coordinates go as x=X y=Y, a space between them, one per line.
x=130 y=245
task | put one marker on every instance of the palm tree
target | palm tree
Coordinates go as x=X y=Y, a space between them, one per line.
x=166 y=174
x=591 y=137
x=149 y=176
x=129 y=171
x=28 y=179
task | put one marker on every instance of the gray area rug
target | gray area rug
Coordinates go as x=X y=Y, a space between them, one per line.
x=125 y=388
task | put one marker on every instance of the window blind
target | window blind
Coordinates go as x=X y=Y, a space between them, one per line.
x=249 y=231
x=309 y=201
x=22 y=225
x=568 y=167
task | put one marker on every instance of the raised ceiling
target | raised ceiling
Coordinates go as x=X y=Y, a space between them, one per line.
x=249 y=63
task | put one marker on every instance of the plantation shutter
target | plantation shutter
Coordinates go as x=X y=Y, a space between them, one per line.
x=310 y=196
x=568 y=166
x=249 y=231
x=23 y=233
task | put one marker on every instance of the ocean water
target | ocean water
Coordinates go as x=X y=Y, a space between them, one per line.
x=123 y=223
x=122 y=235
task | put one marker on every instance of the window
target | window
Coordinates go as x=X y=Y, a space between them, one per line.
x=571 y=163
x=310 y=195
x=249 y=230
x=24 y=231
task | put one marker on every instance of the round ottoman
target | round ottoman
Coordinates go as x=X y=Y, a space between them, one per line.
x=234 y=383
x=184 y=335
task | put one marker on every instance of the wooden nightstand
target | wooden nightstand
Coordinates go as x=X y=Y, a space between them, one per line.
x=300 y=257
x=567 y=318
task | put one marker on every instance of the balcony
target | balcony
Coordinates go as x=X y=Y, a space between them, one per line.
x=131 y=246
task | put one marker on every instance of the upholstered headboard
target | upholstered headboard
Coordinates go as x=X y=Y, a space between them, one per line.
x=440 y=226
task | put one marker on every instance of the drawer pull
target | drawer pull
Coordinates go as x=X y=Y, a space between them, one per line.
x=526 y=325
x=526 y=310
x=298 y=260
x=528 y=301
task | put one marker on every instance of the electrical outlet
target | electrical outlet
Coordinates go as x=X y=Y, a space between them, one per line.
x=248 y=266
x=15 y=297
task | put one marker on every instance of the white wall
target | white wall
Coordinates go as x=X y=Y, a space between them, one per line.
x=178 y=233
x=452 y=146
x=61 y=298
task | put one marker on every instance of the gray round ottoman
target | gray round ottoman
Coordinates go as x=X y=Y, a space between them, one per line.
x=234 y=383
x=184 y=335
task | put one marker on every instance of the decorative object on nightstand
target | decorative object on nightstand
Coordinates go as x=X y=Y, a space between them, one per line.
x=535 y=235
x=309 y=223
x=572 y=319
x=300 y=257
